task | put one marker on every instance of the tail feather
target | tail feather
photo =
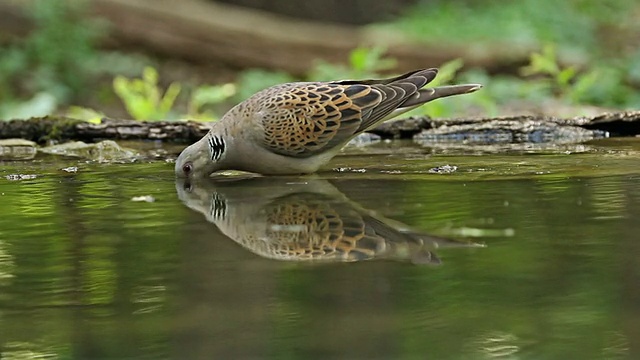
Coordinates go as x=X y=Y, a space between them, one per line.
x=426 y=95
x=403 y=93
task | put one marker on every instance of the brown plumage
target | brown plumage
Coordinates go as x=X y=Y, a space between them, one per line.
x=298 y=127
x=305 y=221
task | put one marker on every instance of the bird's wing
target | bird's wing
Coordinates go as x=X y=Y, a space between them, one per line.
x=304 y=119
x=309 y=226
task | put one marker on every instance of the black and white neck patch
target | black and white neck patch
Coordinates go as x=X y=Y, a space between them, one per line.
x=216 y=147
x=218 y=210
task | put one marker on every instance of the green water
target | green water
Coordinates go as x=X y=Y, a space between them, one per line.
x=87 y=273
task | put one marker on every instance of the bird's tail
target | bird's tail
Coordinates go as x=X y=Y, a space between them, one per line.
x=430 y=94
x=426 y=95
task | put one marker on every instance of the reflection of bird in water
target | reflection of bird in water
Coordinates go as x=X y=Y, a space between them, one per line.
x=282 y=219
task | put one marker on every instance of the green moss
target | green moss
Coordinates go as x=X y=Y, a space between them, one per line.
x=53 y=127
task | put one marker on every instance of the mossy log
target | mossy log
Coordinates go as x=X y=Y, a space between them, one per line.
x=519 y=128
x=62 y=129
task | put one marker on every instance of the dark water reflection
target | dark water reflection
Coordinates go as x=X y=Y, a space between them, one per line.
x=87 y=273
x=305 y=219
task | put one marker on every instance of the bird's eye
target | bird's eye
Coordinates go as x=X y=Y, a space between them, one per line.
x=187 y=168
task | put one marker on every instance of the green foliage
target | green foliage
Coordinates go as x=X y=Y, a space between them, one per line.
x=591 y=32
x=204 y=97
x=500 y=90
x=82 y=113
x=565 y=81
x=574 y=24
x=142 y=97
x=144 y=100
x=364 y=63
x=545 y=79
x=253 y=80
x=601 y=85
x=63 y=44
x=53 y=59
x=57 y=62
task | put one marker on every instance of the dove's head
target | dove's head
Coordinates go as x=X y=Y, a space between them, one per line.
x=202 y=158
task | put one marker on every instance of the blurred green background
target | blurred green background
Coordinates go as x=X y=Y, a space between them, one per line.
x=194 y=59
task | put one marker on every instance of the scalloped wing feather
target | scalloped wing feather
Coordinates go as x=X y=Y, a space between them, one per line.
x=305 y=119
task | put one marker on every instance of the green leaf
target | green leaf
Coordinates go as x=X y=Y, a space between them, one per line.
x=565 y=76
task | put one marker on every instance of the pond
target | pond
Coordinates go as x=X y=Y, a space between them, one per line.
x=519 y=253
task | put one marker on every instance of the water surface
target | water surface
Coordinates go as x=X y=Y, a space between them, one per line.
x=87 y=273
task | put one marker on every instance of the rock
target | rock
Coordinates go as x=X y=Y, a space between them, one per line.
x=17 y=149
x=145 y=198
x=445 y=169
x=17 y=177
x=364 y=139
x=104 y=151
x=509 y=131
x=402 y=128
x=70 y=169
x=349 y=169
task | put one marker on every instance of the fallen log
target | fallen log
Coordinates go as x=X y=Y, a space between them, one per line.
x=518 y=128
x=210 y=32
x=60 y=128
x=615 y=124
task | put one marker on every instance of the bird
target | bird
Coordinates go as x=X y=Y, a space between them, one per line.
x=282 y=219
x=296 y=128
